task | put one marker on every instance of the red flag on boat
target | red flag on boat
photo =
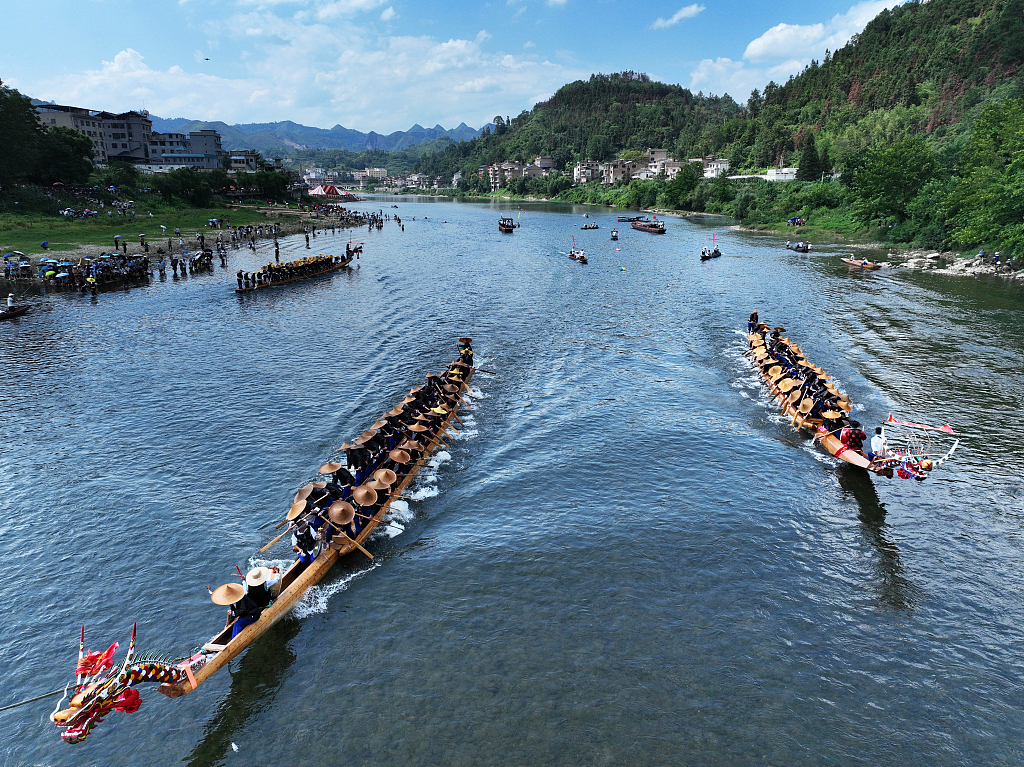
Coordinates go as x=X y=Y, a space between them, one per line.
x=97 y=662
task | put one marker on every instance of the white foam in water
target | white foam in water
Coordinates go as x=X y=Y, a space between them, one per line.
x=422 y=493
x=316 y=598
x=475 y=393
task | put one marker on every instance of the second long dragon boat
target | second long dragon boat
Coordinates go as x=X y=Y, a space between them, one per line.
x=330 y=519
x=810 y=398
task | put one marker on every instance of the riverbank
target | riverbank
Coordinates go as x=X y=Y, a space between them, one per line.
x=91 y=237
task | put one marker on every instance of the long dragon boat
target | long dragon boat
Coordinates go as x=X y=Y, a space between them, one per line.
x=809 y=397
x=389 y=451
x=336 y=263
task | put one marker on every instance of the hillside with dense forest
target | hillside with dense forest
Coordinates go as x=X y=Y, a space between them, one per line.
x=917 y=116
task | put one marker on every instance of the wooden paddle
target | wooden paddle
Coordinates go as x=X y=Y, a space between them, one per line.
x=282 y=535
x=489 y=372
x=367 y=553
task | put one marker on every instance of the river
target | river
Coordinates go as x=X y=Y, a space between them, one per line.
x=626 y=557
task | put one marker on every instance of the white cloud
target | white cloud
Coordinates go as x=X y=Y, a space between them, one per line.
x=686 y=12
x=388 y=13
x=783 y=50
x=557 y=2
x=320 y=73
x=529 y=44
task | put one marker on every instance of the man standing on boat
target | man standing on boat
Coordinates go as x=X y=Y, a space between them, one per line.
x=877 y=451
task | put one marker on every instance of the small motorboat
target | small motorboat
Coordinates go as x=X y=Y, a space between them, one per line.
x=862 y=264
x=707 y=255
x=799 y=247
x=578 y=255
x=592 y=225
x=15 y=311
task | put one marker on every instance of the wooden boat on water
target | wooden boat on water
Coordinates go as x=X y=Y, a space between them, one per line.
x=865 y=264
x=578 y=255
x=654 y=227
x=631 y=219
x=15 y=311
x=707 y=255
x=102 y=687
x=507 y=225
x=339 y=263
x=591 y=225
x=799 y=247
x=781 y=372
x=813 y=403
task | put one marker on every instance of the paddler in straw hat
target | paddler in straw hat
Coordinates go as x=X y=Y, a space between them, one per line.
x=243 y=610
x=259 y=583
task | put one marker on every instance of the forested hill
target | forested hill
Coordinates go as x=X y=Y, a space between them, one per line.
x=919 y=68
x=596 y=119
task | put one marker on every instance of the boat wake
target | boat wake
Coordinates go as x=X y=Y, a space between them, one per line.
x=315 y=600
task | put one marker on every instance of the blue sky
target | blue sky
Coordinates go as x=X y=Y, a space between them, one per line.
x=386 y=64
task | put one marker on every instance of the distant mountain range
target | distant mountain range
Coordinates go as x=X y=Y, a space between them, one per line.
x=282 y=138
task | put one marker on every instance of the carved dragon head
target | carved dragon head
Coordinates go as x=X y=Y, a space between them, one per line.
x=102 y=687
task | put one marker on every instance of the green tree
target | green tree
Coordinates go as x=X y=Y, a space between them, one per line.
x=63 y=155
x=20 y=134
x=809 y=169
x=890 y=177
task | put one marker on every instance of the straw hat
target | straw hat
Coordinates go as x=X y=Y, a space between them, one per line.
x=806 y=405
x=779 y=329
x=450 y=389
x=845 y=406
x=258 y=576
x=295 y=510
x=415 y=389
x=788 y=385
x=369 y=434
x=793 y=397
x=341 y=512
x=465 y=340
x=329 y=468
x=408 y=401
x=438 y=410
x=364 y=496
x=775 y=369
x=379 y=424
x=386 y=476
x=396 y=410
x=417 y=427
x=777 y=377
x=303 y=493
x=320 y=485
x=831 y=414
x=411 y=444
x=399 y=456
x=752 y=336
x=227 y=594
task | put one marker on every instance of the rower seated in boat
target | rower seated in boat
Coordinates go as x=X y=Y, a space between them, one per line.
x=304 y=544
x=260 y=583
x=852 y=436
x=243 y=610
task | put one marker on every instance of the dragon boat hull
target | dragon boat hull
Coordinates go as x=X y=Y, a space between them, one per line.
x=828 y=440
x=293 y=588
x=335 y=267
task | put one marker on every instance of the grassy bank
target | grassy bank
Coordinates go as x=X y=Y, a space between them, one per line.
x=26 y=232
